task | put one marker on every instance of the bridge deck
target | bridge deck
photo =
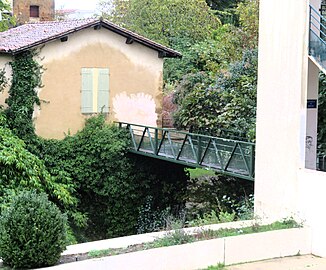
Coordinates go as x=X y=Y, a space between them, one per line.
x=231 y=157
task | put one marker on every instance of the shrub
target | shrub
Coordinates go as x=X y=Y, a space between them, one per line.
x=111 y=185
x=32 y=231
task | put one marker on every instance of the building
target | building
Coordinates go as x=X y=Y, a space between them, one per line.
x=33 y=10
x=291 y=55
x=90 y=66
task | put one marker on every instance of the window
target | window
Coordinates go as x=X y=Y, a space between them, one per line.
x=95 y=90
x=34 y=11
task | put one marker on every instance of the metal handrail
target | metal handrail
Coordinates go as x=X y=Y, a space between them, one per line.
x=231 y=157
x=318 y=20
x=321 y=40
x=180 y=132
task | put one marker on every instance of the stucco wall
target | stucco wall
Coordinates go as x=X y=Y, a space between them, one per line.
x=135 y=81
x=4 y=64
x=281 y=106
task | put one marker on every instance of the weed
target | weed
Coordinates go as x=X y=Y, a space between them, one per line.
x=101 y=253
x=219 y=266
x=212 y=218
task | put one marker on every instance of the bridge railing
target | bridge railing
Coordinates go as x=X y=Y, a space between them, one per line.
x=227 y=156
x=317 y=36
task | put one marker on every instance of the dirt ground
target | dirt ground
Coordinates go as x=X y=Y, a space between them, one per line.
x=308 y=262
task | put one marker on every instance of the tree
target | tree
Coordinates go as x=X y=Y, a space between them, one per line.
x=163 y=21
x=211 y=55
x=322 y=113
x=19 y=169
x=7 y=20
x=229 y=104
x=248 y=12
x=222 y=4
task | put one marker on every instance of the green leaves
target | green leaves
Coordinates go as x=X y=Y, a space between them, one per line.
x=7 y=20
x=26 y=78
x=32 y=231
x=19 y=169
x=229 y=104
x=163 y=21
x=322 y=112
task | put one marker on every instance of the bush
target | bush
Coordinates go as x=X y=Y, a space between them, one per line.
x=111 y=185
x=21 y=169
x=32 y=231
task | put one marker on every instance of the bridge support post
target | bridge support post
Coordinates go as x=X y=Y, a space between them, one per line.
x=156 y=141
x=199 y=150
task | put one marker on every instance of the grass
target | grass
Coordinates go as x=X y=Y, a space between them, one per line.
x=197 y=173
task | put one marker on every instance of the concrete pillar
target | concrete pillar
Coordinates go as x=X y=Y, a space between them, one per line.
x=281 y=106
x=312 y=116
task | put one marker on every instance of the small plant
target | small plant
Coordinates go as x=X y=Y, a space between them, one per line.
x=208 y=218
x=220 y=266
x=149 y=219
x=177 y=237
x=32 y=231
x=226 y=217
x=101 y=253
x=245 y=208
x=212 y=218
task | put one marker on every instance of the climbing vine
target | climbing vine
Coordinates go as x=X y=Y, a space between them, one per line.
x=3 y=79
x=26 y=78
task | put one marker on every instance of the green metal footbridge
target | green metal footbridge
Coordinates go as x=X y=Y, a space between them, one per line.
x=230 y=157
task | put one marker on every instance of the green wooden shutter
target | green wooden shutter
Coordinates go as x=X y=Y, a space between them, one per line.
x=103 y=90
x=87 y=91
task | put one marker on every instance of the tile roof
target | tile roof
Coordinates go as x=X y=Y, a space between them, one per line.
x=30 y=35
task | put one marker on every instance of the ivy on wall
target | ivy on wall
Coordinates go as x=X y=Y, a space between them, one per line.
x=3 y=79
x=26 y=78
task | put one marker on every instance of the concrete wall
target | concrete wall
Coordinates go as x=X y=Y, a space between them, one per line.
x=200 y=255
x=312 y=201
x=312 y=117
x=21 y=9
x=281 y=106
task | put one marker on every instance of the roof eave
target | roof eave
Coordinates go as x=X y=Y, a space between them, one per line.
x=55 y=37
x=164 y=52
x=168 y=53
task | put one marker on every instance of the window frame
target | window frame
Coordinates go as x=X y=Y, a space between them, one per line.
x=34 y=11
x=95 y=90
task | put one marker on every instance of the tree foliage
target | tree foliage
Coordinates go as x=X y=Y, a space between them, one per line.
x=322 y=113
x=32 y=232
x=222 y=4
x=110 y=185
x=215 y=96
x=7 y=20
x=211 y=55
x=163 y=21
x=229 y=104
x=19 y=169
x=248 y=12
